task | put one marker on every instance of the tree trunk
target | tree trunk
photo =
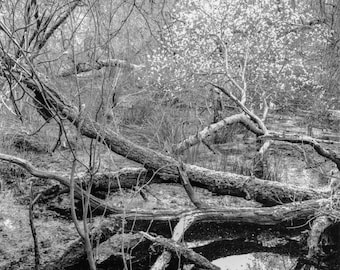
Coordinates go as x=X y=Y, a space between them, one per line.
x=279 y=229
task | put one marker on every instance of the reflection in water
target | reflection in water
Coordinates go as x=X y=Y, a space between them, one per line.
x=255 y=261
x=239 y=262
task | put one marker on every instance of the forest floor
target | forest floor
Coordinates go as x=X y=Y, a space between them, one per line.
x=56 y=231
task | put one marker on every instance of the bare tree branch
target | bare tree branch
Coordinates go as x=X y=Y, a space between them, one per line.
x=329 y=154
x=95 y=202
x=188 y=188
x=59 y=22
x=243 y=107
x=210 y=130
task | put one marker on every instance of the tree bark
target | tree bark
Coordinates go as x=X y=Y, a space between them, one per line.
x=275 y=228
x=176 y=248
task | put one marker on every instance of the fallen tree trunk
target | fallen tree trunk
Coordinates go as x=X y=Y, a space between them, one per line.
x=277 y=228
x=222 y=183
x=252 y=212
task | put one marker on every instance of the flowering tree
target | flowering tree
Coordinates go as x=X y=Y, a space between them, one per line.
x=256 y=50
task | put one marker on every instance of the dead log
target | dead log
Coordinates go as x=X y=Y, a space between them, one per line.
x=105 y=183
x=227 y=184
x=235 y=185
x=223 y=183
x=219 y=182
x=189 y=254
x=273 y=228
x=96 y=203
x=124 y=178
